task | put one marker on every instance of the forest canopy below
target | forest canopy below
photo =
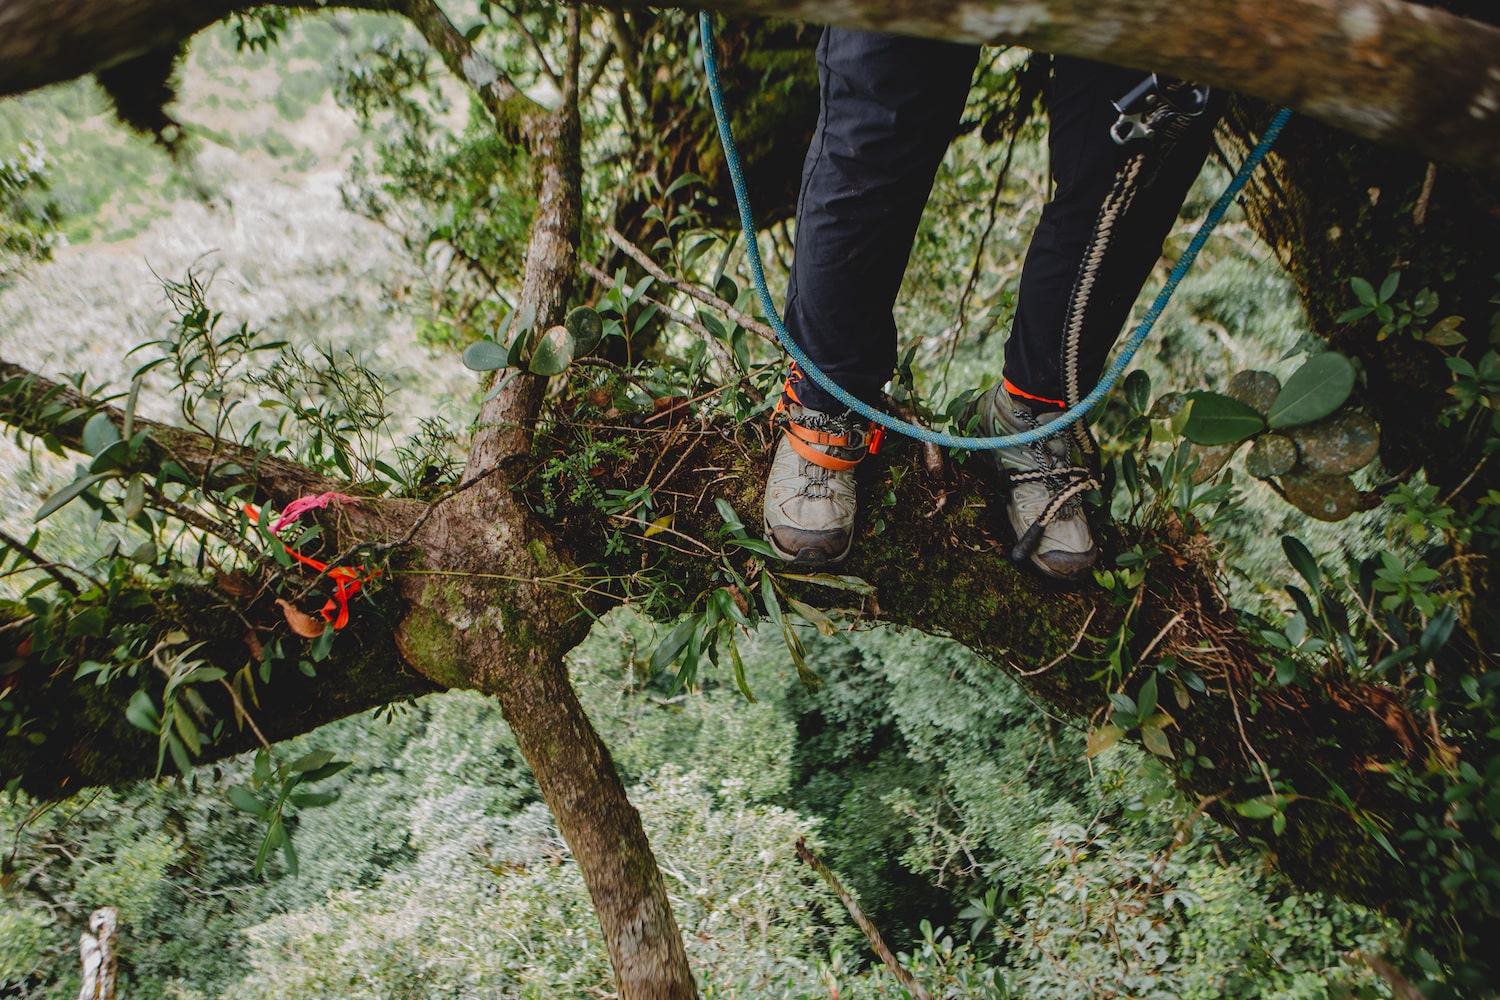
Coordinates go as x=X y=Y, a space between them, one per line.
x=277 y=560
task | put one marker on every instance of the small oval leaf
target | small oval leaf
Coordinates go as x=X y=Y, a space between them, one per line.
x=1138 y=390
x=1217 y=419
x=1315 y=390
x=1255 y=389
x=1156 y=741
x=485 y=356
x=1341 y=444
x=587 y=328
x=99 y=433
x=554 y=352
x=1327 y=498
x=1271 y=455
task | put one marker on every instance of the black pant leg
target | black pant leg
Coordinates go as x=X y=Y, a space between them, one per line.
x=890 y=105
x=1085 y=162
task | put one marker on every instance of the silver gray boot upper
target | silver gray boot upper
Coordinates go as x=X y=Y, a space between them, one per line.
x=810 y=492
x=1044 y=506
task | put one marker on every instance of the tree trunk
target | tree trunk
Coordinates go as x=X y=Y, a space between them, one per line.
x=97 y=949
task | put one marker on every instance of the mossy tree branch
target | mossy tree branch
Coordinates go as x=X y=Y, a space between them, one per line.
x=1391 y=71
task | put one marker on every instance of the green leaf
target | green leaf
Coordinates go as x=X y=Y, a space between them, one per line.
x=113 y=456
x=187 y=729
x=676 y=641
x=70 y=492
x=311 y=761
x=1363 y=291
x=141 y=712
x=1315 y=390
x=275 y=834
x=244 y=799
x=289 y=855
x=1217 y=419
x=1138 y=390
x=88 y=622
x=1388 y=286
x=135 y=498
x=1255 y=809
x=131 y=399
x=739 y=670
x=262 y=768
x=1302 y=561
x=1437 y=632
x=1156 y=741
x=731 y=518
x=769 y=599
x=680 y=182
x=587 y=328
x=312 y=800
x=179 y=755
x=688 y=671
x=485 y=356
x=756 y=545
x=525 y=319
x=1146 y=700
x=553 y=353
x=322 y=645
x=853 y=584
x=99 y=433
x=326 y=771
x=723 y=599
x=201 y=675
x=1286 y=671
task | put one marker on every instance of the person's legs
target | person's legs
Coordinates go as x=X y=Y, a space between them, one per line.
x=1099 y=237
x=890 y=105
x=1093 y=249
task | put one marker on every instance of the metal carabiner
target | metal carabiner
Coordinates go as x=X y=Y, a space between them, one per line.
x=1154 y=102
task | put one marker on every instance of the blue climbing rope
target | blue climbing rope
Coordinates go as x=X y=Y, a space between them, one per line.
x=1067 y=417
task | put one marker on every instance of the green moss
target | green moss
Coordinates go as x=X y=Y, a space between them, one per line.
x=432 y=647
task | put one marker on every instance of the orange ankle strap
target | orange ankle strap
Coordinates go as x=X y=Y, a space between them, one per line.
x=803 y=438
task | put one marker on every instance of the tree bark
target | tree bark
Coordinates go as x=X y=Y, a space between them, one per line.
x=97 y=949
x=1391 y=71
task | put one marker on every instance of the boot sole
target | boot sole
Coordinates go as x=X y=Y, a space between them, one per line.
x=799 y=559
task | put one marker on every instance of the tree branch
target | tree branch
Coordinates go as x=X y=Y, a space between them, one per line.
x=871 y=933
x=1390 y=71
x=501 y=97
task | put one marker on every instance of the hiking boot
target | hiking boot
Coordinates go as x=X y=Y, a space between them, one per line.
x=1045 y=486
x=809 y=508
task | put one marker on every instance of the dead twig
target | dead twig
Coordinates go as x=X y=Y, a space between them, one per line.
x=652 y=268
x=45 y=565
x=1176 y=620
x=1068 y=652
x=904 y=977
x=726 y=361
